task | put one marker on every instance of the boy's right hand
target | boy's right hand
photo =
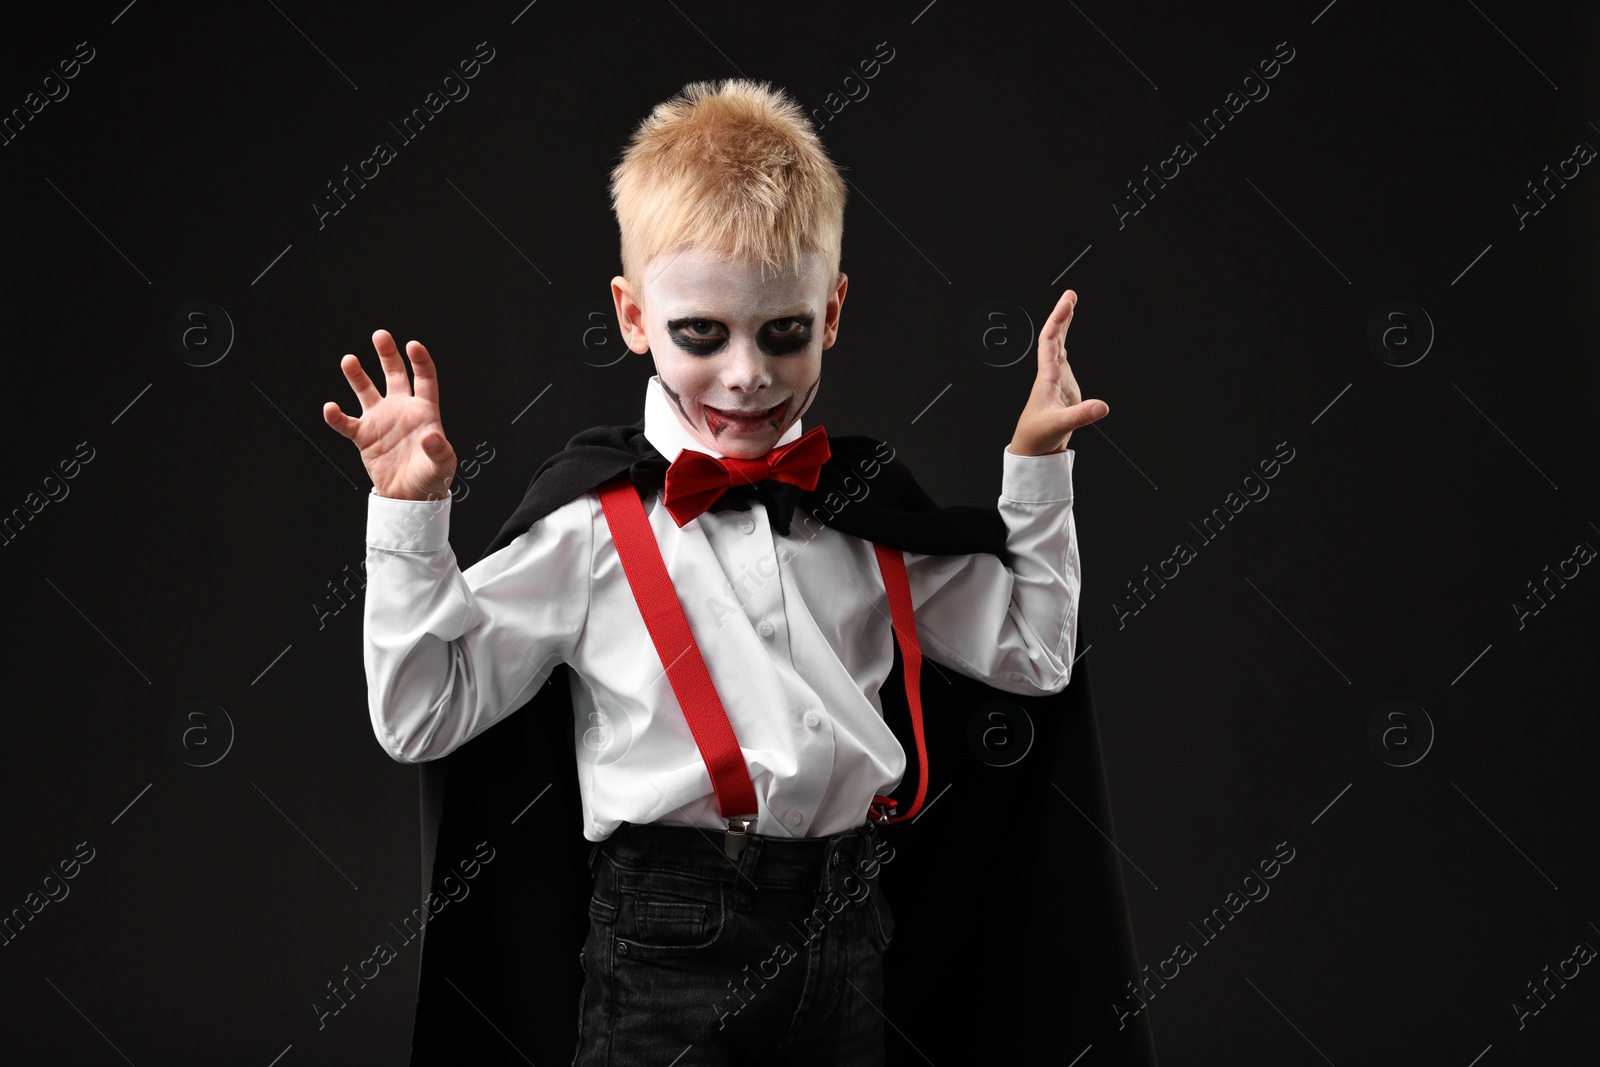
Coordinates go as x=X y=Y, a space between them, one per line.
x=400 y=436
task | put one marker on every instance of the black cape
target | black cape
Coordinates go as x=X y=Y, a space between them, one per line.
x=1011 y=926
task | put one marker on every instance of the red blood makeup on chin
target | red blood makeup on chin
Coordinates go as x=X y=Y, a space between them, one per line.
x=716 y=422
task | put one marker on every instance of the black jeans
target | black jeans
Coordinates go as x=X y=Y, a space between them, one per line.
x=694 y=959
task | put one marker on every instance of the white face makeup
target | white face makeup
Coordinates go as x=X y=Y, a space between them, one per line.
x=740 y=355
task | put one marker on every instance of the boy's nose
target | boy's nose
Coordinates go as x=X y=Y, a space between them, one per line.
x=746 y=369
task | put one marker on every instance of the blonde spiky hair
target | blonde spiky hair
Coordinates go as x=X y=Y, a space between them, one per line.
x=734 y=168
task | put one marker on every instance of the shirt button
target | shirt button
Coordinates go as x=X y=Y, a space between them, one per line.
x=747 y=525
x=766 y=629
x=793 y=818
x=813 y=720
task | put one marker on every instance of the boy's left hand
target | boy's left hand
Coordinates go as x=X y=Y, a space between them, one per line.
x=1055 y=406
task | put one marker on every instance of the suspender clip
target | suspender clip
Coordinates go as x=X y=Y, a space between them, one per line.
x=737 y=836
x=881 y=810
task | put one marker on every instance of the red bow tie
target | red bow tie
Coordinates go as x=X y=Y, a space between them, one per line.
x=695 y=480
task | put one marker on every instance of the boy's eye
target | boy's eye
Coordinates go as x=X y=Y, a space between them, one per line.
x=698 y=336
x=786 y=335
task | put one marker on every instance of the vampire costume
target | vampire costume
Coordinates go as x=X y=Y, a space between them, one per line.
x=1011 y=933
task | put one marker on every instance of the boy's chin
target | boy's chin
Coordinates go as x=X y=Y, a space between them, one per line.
x=744 y=446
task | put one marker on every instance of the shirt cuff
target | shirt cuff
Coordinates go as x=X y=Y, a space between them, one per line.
x=407 y=525
x=1037 y=479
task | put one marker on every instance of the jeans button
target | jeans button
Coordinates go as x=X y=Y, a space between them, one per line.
x=622 y=948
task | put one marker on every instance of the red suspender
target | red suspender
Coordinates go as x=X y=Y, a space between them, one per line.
x=893 y=565
x=669 y=630
x=686 y=669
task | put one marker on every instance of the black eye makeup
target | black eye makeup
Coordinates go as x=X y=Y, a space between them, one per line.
x=779 y=337
x=698 y=336
x=782 y=336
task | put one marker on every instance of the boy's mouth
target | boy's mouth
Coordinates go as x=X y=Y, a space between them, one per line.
x=745 y=422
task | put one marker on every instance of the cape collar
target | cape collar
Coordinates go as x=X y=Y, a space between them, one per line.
x=863 y=490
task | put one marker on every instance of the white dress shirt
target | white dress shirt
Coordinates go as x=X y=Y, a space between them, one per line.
x=794 y=631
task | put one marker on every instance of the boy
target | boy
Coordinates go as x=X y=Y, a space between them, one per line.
x=732 y=808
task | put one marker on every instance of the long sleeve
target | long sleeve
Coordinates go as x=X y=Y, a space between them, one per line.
x=447 y=652
x=1012 y=625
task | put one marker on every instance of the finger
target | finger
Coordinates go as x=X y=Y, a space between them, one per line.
x=356 y=375
x=426 y=373
x=334 y=416
x=1053 y=338
x=394 y=368
x=1079 y=415
x=437 y=447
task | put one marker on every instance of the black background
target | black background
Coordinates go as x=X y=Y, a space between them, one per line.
x=190 y=558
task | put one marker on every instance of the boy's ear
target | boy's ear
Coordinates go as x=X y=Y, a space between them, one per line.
x=830 y=318
x=630 y=316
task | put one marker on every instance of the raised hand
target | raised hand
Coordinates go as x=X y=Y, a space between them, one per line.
x=1055 y=406
x=400 y=436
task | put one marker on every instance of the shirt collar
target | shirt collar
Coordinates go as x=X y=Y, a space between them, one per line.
x=666 y=433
